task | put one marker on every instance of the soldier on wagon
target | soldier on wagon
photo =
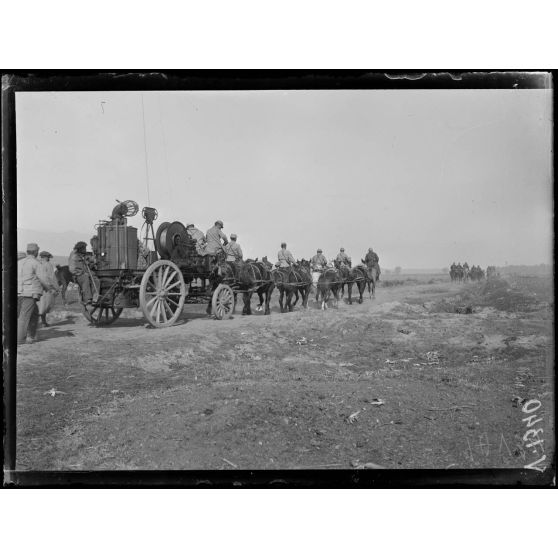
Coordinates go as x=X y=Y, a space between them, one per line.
x=233 y=251
x=79 y=264
x=215 y=238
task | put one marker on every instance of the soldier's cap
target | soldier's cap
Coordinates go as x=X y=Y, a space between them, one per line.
x=45 y=254
x=32 y=246
x=80 y=244
x=190 y=225
x=233 y=236
x=342 y=249
x=319 y=249
x=219 y=223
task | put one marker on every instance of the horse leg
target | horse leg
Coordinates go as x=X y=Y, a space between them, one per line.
x=349 y=292
x=336 y=296
x=261 y=298
x=267 y=298
x=63 y=292
x=325 y=299
x=281 y=295
x=290 y=304
x=361 y=287
x=295 y=292
x=247 y=311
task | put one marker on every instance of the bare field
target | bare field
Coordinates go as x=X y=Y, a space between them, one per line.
x=400 y=381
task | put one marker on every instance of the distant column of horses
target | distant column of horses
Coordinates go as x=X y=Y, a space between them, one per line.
x=462 y=273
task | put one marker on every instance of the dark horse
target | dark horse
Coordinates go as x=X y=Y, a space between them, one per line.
x=64 y=278
x=303 y=276
x=291 y=281
x=329 y=282
x=372 y=277
x=350 y=276
x=264 y=280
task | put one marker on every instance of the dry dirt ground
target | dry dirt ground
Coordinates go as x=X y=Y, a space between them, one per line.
x=401 y=381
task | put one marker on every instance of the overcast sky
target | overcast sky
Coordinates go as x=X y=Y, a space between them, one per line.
x=423 y=177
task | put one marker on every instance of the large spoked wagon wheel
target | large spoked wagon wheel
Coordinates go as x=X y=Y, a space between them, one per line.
x=223 y=302
x=162 y=293
x=99 y=315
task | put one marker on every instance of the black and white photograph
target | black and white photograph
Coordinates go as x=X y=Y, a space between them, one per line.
x=299 y=276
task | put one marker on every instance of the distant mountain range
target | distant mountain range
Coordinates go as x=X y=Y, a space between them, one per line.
x=59 y=244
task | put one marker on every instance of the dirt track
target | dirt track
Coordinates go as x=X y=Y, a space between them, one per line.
x=425 y=386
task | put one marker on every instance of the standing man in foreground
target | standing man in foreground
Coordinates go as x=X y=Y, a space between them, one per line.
x=48 y=277
x=284 y=257
x=29 y=289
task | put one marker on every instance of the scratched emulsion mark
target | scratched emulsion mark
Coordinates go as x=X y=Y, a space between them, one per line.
x=534 y=436
x=479 y=449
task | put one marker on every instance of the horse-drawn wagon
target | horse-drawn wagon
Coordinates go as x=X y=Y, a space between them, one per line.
x=126 y=274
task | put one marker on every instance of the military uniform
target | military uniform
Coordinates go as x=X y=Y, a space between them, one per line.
x=29 y=289
x=79 y=268
x=342 y=258
x=285 y=258
x=318 y=262
x=213 y=237
x=371 y=258
x=233 y=251
x=48 y=277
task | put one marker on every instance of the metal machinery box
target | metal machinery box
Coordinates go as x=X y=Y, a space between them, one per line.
x=118 y=247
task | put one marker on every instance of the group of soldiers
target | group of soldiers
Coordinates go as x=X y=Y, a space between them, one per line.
x=37 y=288
x=319 y=263
x=460 y=272
x=38 y=285
x=215 y=240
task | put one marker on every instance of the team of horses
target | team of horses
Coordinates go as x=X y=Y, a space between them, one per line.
x=293 y=282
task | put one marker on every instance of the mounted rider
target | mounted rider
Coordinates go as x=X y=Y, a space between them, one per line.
x=372 y=261
x=284 y=257
x=318 y=263
x=342 y=258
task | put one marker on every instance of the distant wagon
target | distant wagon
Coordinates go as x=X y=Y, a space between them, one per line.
x=172 y=275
